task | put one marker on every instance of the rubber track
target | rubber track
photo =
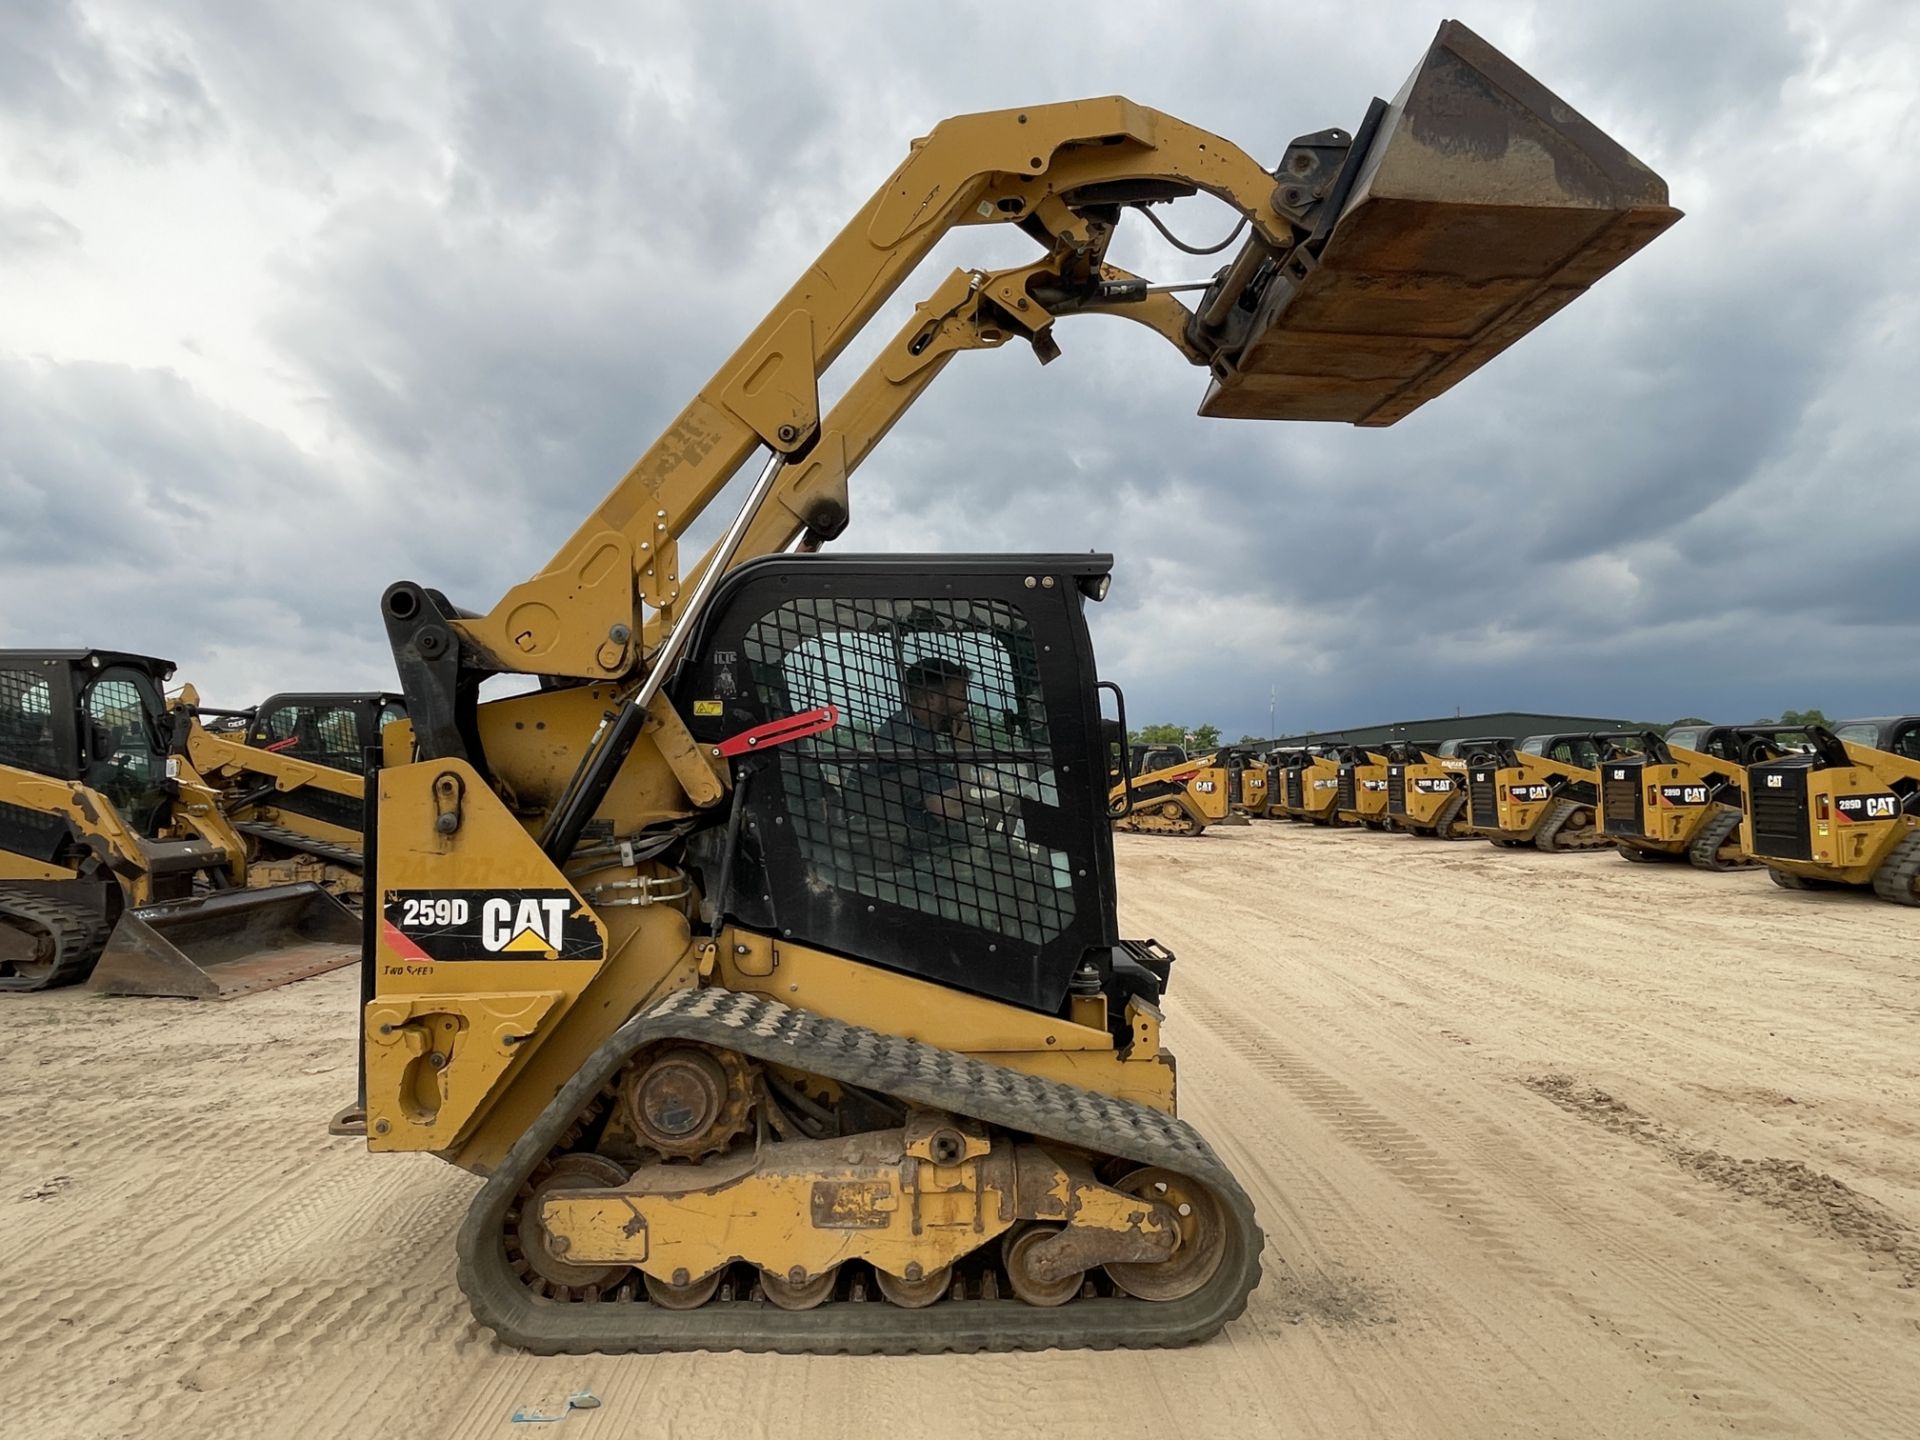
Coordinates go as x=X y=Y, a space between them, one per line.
x=921 y=1075
x=1895 y=879
x=79 y=937
x=1547 y=836
x=1152 y=822
x=1705 y=850
x=1449 y=813
x=341 y=855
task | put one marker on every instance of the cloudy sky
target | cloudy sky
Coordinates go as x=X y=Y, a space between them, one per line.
x=298 y=300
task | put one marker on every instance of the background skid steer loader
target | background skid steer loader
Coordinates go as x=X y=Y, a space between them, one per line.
x=1427 y=784
x=115 y=859
x=1545 y=792
x=1310 y=784
x=1676 y=798
x=291 y=777
x=1360 y=796
x=1843 y=812
x=1252 y=783
x=1167 y=794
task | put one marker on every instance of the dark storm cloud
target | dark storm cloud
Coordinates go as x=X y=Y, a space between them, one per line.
x=546 y=226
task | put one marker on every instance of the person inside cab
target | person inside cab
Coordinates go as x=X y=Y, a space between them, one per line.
x=919 y=742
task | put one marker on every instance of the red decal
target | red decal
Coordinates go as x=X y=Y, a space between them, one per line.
x=402 y=946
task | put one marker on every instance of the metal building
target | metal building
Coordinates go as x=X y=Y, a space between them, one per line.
x=1518 y=724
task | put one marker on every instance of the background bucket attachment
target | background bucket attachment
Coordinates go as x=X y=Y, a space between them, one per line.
x=234 y=942
x=1464 y=214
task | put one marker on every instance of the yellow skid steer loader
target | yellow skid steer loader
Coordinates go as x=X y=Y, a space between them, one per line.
x=1843 y=812
x=116 y=861
x=1175 y=796
x=1543 y=792
x=1427 y=784
x=1677 y=797
x=1360 y=790
x=291 y=777
x=765 y=961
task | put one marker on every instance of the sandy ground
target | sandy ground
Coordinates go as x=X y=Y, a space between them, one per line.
x=1543 y=1145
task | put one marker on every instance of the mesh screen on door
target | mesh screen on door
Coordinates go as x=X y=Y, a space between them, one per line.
x=324 y=735
x=921 y=796
x=26 y=722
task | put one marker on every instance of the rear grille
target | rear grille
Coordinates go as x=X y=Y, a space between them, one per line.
x=1780 y=811
x=1483 y=799
x=1622 y=806
x=1396 y=789
x=1296 y=793
x=1343 y=795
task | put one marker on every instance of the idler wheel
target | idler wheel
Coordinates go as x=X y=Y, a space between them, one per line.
x=569 y=1172
x=1203 y=1239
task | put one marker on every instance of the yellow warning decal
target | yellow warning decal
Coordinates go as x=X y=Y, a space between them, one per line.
x=708 y=708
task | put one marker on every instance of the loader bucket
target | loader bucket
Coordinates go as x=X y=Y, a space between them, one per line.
x=1475 y=206
x=230 y=943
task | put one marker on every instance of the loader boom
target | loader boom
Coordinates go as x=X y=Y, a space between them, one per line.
x=1326 y=312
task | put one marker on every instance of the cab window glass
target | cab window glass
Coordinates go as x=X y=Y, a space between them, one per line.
x=121 y=752
x=26 y=722
x=918 y=797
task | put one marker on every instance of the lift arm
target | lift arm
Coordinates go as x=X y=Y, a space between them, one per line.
x=580 y=615
x=1380 y=268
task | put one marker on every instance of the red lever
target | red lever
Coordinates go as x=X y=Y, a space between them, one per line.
x=779 y=732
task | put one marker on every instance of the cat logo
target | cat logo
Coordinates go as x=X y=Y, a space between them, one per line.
x=428 y=926
x=531 y=927
x=1776 y=782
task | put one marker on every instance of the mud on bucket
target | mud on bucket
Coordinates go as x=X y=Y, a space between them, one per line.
x=234 y=942
x=1465 y=213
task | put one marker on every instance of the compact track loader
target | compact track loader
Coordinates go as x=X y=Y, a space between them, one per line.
x=1309 y=783
x=1675 y=798
x=1843 y=812
x=1360 y=788
x=765 y=960
x=1252 y=789
x=1543 y=792
x=1177 y=796
x=116 y=860
x=1427 y=784
x=291 y=777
